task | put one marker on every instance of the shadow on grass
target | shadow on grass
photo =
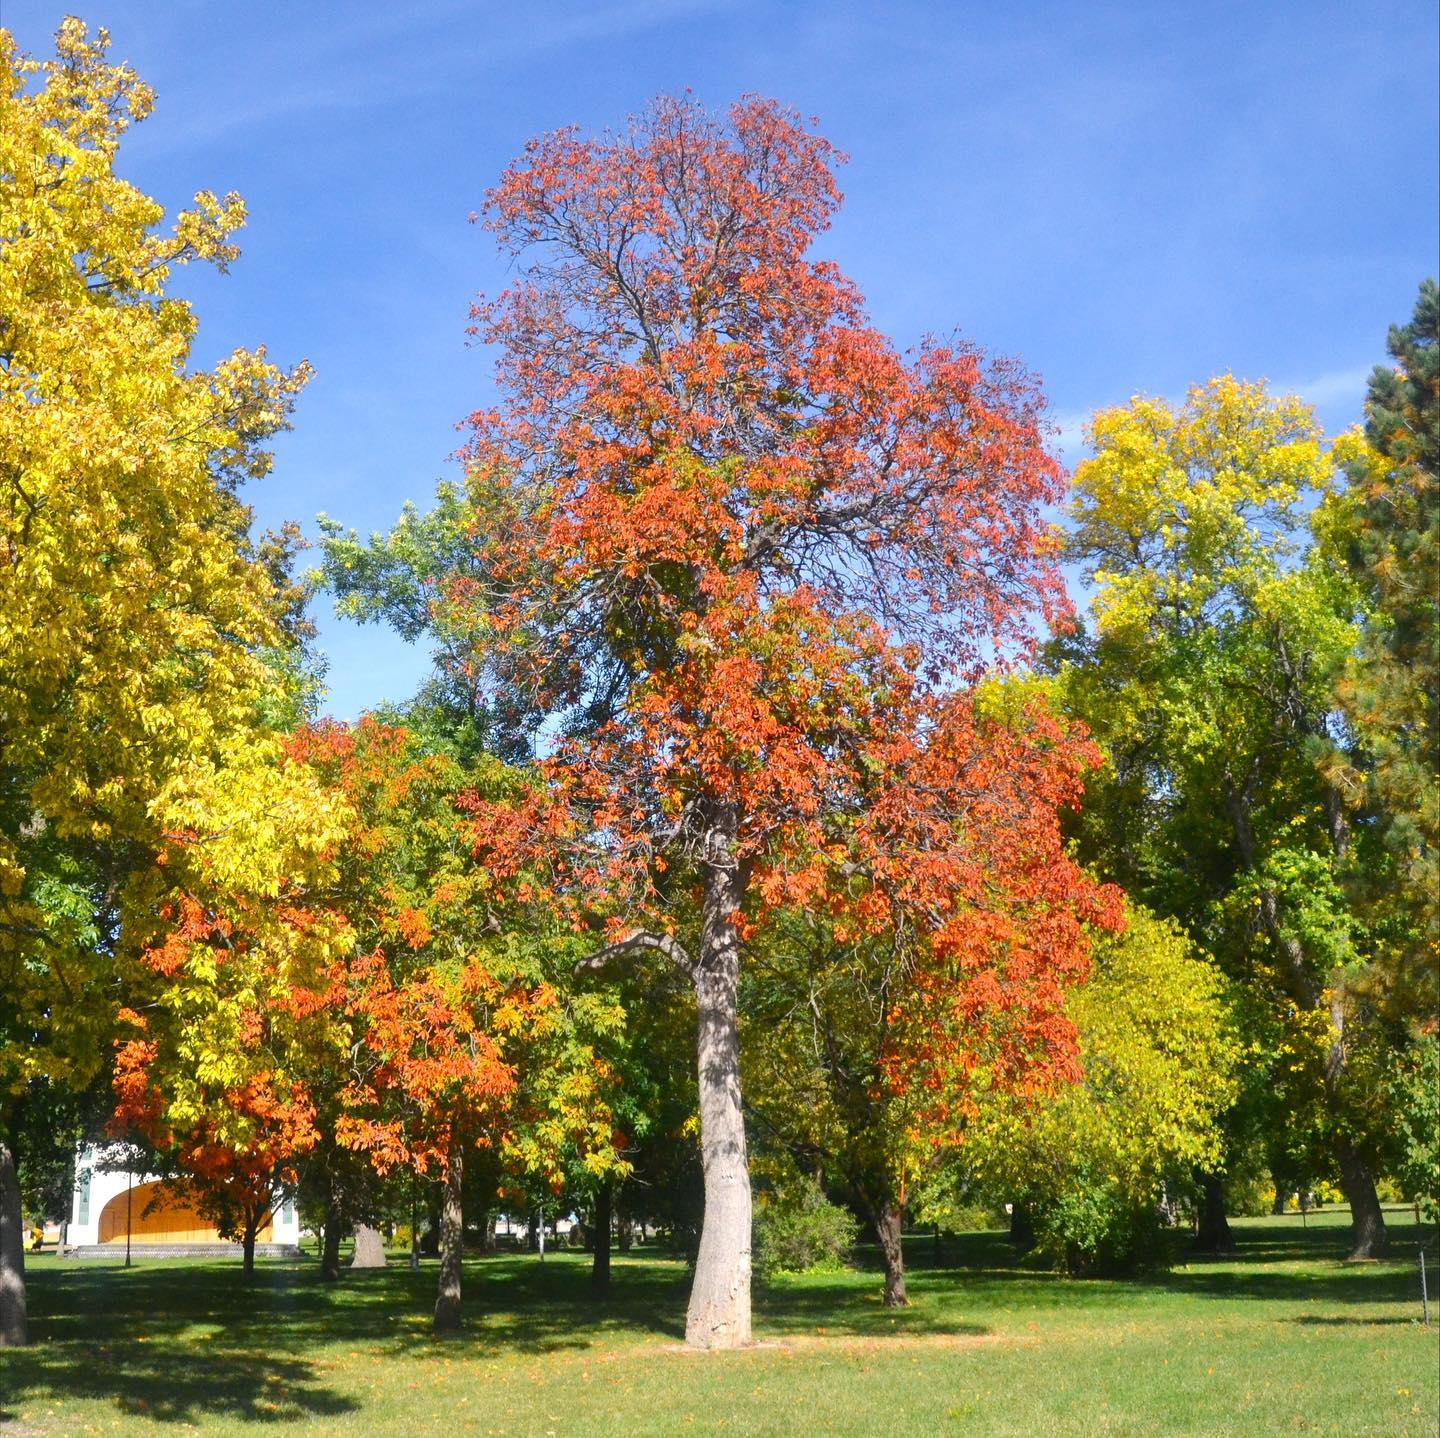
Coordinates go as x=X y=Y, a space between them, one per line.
x=181 y=1341
x=1377 y=1283
x=841 y=1308
x=159 y=1382
x=531 y=1307
x=1318 y=1321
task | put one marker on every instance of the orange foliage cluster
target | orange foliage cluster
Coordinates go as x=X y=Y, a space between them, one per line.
x=397 y=1050
x=765 y=557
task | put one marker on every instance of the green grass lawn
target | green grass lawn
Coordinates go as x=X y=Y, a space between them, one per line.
x=1284 y=1339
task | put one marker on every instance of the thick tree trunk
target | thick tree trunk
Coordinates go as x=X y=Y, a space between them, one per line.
x=14 y=1327
x=1367 y=1221
x=719 y=1314
x=247 y=1263
x=369 y=1247
x=888 y=1229
x=330 y=1253
x=600 y=1266
x=447 y=1304
x=1212 y=1234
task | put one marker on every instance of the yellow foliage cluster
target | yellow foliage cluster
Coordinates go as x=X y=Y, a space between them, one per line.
x=1177 y=505
x=1159 y=1055
x=134 y=619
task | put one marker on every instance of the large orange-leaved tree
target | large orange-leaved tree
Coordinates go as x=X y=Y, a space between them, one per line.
x=735 y=554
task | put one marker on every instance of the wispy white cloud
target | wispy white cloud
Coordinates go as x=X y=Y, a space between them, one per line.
x=600 y=22
x=1333 y=387
x=383 y=56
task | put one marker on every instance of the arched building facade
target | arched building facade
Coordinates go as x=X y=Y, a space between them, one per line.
x=109 y=1205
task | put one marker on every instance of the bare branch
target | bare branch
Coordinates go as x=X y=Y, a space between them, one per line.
x=659 y=943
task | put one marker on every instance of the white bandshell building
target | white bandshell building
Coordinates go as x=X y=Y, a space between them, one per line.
x=111 y=1207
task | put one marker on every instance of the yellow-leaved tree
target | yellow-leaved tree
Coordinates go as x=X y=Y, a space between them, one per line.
x=139 y=627
x=1094 y=1166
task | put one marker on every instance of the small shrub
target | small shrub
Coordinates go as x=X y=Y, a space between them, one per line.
x=1095 y=1228
x=802 y=1231
x=1250 y=1195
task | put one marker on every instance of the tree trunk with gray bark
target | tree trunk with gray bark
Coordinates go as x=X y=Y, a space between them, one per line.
x=14 y=1326
x=888 y=1225
x=447 y=1303
x=1367 y=1220
x=247 y=1244
x=719 y=1312
x=600 y=1265
x=330 y=1253
x=1212 y=1234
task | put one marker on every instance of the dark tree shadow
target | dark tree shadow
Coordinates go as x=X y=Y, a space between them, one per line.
x=180 y=1341
x=1317 y=1321
x=156 y=1382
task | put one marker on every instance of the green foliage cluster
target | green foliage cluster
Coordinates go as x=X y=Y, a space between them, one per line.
x=800 y=1231
x=1259 y=664
x=1413 y=1097
x=1385 y=530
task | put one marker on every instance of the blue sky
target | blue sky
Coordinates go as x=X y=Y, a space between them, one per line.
x=1130 y=197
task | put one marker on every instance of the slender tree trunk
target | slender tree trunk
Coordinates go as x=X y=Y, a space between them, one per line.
x=719 y=1314
x=369 y=1247
x=487 y=1231
x=1367 y=1221
x=330 y=1253
x=252 y=1225
x=1278 y=1207
x=888 y=1221
x=447 y=1304
x=14 y=1328
x=600 y=1266
x=1213 y=1232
